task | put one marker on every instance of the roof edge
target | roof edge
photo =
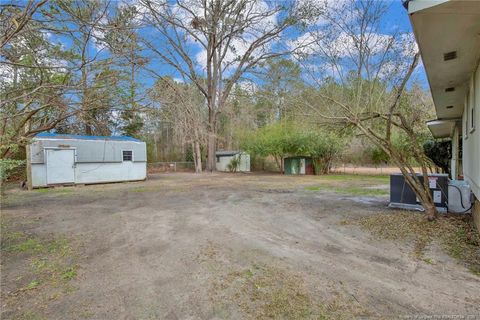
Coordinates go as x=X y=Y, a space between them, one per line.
x=48 y=135
x=414 y=6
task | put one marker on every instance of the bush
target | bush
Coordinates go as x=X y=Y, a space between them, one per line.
x=290 y=139
x=234 y=164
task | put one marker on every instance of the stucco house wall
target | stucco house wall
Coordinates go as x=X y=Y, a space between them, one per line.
x=471 y=134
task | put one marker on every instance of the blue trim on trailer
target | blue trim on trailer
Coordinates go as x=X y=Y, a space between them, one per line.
x=49 y=135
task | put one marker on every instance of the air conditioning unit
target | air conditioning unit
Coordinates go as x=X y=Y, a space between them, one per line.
x=402 y=195
x=459 y=196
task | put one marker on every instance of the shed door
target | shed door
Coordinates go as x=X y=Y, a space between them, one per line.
x=60 y=166
x=302 y=166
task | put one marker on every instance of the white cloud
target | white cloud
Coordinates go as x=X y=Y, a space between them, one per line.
x=99 y=33
x=178 y=80
x=407 y=45
x=6 y=74
x=306 y=44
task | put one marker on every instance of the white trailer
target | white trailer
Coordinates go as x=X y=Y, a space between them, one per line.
x=62 y=159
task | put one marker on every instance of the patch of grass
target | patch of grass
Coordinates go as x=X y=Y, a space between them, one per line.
x=55 y=190
x=48 y=264
x=315 y=188
x=32 y=285
x=158 y=189
x=144 y=189
x=350 y=190
x=456 y=234
x=267 y=292
x=28 y=245
x=69 y=273
x=32 y=244
x=29 y=315
x=349 y=177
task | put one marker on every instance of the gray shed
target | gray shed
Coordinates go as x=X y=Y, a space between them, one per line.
x=58 y=159
x=225 y=157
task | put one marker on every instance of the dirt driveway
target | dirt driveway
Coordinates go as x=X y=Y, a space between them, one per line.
x=218 y=246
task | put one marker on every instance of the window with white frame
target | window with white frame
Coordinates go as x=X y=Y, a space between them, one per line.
x=127 y=155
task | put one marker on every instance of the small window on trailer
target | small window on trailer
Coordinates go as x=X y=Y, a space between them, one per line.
x=127 y=155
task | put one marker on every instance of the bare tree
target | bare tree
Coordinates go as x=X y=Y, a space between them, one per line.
x=362 y=84
x=42 y=81
x=15 y=18
x=183 y=105
x=212 y=43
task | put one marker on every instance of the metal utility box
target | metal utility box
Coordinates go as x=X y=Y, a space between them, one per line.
x=459 y=196
x=402 y=195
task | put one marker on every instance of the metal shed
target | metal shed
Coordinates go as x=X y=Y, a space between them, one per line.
x=224 y=158
x=298 y=165
x=60 y=159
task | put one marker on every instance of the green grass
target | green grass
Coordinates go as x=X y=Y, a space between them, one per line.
x=62 y=190
x=144 y=189
x=48 y=263
x=69 y=273
x=32 y=285
x=350 y=190
x=349 y=184
x=349 y=177
x=32 y=244
x=160 y=189
x=28 y=245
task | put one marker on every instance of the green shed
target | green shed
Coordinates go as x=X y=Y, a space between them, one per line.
x=298 y=165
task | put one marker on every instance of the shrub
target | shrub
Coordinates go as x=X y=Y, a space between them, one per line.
x=234 y=164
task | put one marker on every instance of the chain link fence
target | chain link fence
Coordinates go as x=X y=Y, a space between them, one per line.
x=175 y=166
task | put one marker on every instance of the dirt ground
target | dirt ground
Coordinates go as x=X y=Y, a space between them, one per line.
x=218 y=246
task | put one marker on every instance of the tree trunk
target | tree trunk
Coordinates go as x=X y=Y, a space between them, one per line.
x=211 y=152
x=278 y=162
x=211 y=141
x=198 y=158
x=430 y=211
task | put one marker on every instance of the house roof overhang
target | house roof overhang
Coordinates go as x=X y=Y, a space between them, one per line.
x=442 y=27
x=442 y=128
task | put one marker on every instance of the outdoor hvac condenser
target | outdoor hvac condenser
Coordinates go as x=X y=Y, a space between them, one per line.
x=402 y=195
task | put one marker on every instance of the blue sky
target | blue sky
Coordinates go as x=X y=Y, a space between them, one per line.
x=396 y=18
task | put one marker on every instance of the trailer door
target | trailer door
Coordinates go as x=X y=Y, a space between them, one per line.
x=60 y=166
